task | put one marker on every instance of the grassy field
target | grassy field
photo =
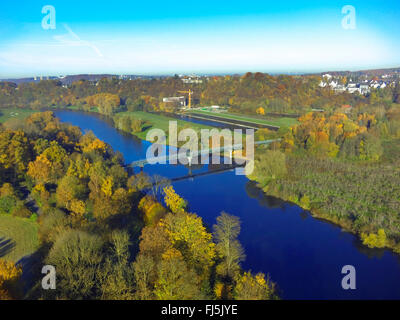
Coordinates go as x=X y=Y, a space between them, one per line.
x=280 y=122
x=14 y=113
x=160 y=122
x=18 y=237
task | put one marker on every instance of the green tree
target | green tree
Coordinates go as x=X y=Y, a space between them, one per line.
x=269 y=166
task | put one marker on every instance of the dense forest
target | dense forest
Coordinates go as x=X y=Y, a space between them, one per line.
x=344 y=168
x=244 y=94
x=109 y=233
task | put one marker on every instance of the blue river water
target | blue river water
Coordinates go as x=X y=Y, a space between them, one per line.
x=303 y=255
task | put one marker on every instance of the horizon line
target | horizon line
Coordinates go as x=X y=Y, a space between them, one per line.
x=204 y=74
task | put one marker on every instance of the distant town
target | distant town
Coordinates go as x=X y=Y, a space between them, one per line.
x=361 y=86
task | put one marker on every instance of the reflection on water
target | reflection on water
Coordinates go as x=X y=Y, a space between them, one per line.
x=264 y=200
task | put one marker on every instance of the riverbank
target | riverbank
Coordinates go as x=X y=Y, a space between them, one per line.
x=276 y=235
x=339 y=219
x=308 y=201
x=155 y=121
x=349 y=194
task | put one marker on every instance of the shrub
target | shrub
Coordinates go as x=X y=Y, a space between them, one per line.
x=7 y=204
x=21 y=211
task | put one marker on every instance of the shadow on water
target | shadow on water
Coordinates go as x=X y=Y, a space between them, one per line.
x=254 y=192
x=270 y=202
x=6 y=246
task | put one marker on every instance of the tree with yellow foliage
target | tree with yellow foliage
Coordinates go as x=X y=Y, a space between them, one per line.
x=48 y=166
x=96 y=145
x=40 y=169
x=249 y=287
x=9 y=277
x=89 y=142
x=175 y=281
x=173 y=201
x=375 y=240
x=260 y=111
x=188 y=234
x=152 y=210
x=107 y=103
x=107 y=186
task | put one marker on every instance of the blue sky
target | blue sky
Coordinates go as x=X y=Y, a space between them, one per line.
x=167 y=37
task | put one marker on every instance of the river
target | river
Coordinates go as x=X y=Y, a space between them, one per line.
x=303 y=255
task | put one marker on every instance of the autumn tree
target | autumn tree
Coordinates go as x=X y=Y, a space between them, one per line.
x=106 y=102
x=188 y=234
x=260 y=111
x=69 y=188
x=375 y=240
x=175 y=280
x=48 y=166
x=229 y=249
x=14 y=153
x=115 y=277
x=138 y=182
x=9 y=280
x=143 y=269
x=77 y=257
x=173 y=201
x=269 y=165
x=152 y=210
x=254 y=287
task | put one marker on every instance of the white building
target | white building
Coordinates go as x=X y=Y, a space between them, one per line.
x=178 y=100
x=340 y=88
x=322 y=84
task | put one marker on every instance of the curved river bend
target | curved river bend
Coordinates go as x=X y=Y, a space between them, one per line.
x=303 y=255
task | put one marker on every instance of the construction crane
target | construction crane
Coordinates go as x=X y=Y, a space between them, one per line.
x=189 y=92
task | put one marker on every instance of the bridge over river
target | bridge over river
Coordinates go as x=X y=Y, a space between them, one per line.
x=172 y=158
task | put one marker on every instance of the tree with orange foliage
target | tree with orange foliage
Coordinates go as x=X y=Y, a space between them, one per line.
x=260 y=111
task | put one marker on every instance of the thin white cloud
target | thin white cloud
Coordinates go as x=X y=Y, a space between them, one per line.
x=170 y=51
x=77 y=41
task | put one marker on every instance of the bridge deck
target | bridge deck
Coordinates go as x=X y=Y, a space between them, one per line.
x=174 y=156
